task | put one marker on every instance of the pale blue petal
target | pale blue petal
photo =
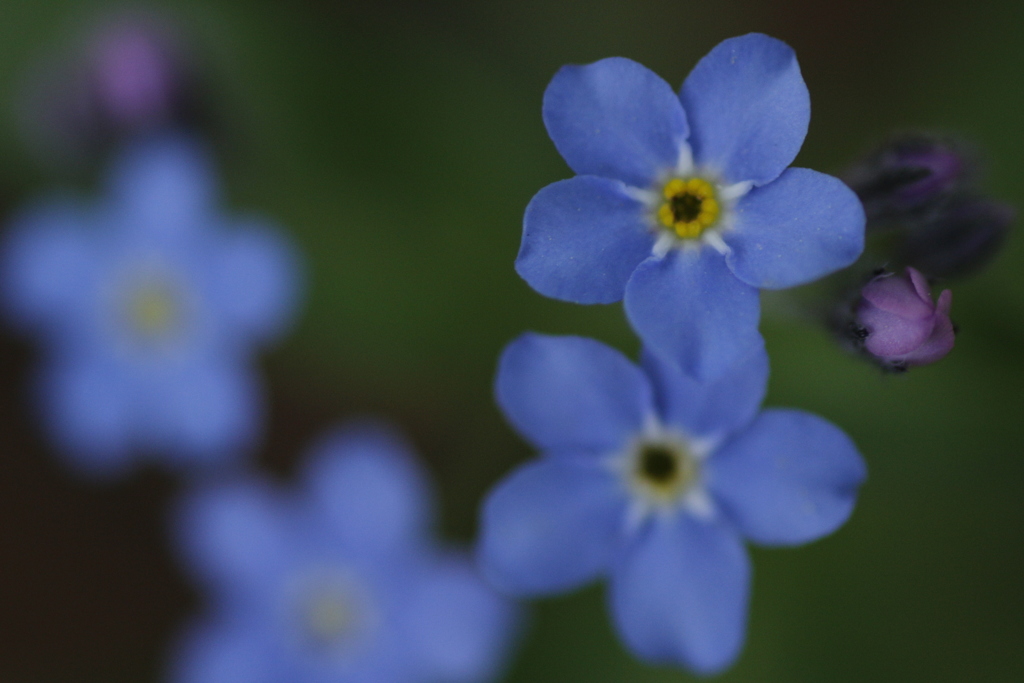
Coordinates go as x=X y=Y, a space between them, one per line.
x=571 y=393
x=234 y=536
x=458 y=629
x=257 y=279
x=47 y=257
x=615 y=118
x=89 y=412
x=582 y=239
x=368 y=487
x=551 y=526
x=748 y=107
x=223 y=653
x=712 y=408
x=164 y=186
x=800 y=227
x=790 y=478
x=679 y=595
x=689 y=308
x=209 y=412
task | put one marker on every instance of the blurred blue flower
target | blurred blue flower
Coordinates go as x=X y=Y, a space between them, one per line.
x=684 y=204
x=150 y=303
x=338 y=581
x=653 y=480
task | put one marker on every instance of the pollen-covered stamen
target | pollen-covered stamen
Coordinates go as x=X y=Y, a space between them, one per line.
x=663 y=471
x=690 y=207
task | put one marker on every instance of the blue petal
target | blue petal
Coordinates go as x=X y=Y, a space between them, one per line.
x=794 y=230
x=712 y=408
x=679 y=595
x=89 y=411
x=749 y=108
x=615 y=118
x=208 y=413
x=234 y=536
x=256 y=280
x=45 y=262
x=582 y=239
x=367 y=485
x=551 y=526
x=165 y=186
x=689 y=308
x=571 y=393
x=790 y=478
x=217 y=653
x=457 y=628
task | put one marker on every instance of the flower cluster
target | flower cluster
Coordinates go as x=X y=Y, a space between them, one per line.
x=653 y=477
x=151 y=302
x=927 y=217
x=336 y=581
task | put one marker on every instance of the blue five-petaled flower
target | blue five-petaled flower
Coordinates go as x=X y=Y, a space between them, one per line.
x=150 y=303
x=654 y=480
x=337 y=582
x=684 y=204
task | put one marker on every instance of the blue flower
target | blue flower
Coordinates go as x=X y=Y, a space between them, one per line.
x=684 y=205
x=150 y=304
x=337 y=581
x=654 y=480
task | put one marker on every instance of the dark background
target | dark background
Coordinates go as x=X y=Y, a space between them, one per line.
x=399 y=144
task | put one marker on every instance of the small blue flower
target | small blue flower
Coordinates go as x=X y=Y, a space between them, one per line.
x=654 y=480
x=684 y=205
x=337 y=581
x=150 y=304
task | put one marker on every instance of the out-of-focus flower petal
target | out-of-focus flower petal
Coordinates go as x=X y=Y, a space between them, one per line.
x=369 y=489
x=258 y=280
x=458 y=627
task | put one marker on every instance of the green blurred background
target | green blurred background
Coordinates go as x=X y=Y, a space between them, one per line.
x=399 y=143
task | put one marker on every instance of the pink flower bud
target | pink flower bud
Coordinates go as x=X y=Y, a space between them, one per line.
x=903 y=326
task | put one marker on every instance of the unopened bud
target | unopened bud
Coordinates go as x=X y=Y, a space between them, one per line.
x=960 y=239
x=909 y=175
x=898 y=324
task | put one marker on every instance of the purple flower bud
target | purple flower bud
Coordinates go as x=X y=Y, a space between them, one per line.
x=960 y=239
x=135 y=72
x=908 y=175
x=129 y=76
x=901 y=324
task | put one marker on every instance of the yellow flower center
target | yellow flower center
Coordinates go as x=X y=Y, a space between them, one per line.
x=690 y=207
x=663 y=471
x=330 y=617
x=153 y=311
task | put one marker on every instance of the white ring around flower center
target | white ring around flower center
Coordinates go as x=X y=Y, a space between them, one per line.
x=725 y=196
x=662 y=471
